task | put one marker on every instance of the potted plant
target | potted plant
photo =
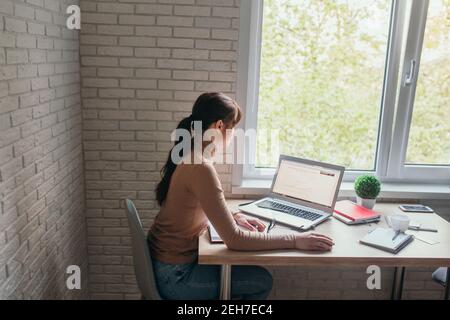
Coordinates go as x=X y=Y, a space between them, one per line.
x=367 y=189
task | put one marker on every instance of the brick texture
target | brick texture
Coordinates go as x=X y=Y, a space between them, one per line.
x=143 y=63
x=42 y=222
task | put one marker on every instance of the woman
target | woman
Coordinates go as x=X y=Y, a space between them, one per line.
x=189 y=196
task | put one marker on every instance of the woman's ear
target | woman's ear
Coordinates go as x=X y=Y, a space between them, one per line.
x=220 y=125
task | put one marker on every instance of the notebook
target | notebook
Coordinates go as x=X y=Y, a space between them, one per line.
x=353 y=222
x=351 y=213
x=381 y=238
x=213 y=235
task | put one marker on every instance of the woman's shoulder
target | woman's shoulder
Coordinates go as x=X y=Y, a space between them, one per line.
x=198 y=167
x=201 y=168
x=199 y=171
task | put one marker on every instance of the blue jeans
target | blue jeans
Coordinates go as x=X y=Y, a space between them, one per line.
x=192 y=281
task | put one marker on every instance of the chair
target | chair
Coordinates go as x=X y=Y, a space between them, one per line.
x=440 y=276
x=143 y=267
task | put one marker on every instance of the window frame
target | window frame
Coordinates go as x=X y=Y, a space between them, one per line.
x=398 y=169
x=393 y=130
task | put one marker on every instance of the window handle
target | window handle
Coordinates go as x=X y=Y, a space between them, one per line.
x=410 y=76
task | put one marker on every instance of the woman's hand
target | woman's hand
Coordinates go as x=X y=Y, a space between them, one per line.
x=252 y=224
x=313 y=242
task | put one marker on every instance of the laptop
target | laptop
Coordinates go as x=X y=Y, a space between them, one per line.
x=302 y=195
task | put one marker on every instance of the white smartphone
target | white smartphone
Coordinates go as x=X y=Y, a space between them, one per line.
x=416 y=208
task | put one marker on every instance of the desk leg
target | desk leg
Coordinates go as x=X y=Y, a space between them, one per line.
x=447 y=284
x=397 y=284
x=225 y=282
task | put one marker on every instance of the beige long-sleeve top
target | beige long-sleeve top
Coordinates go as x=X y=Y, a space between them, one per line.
x=195 y=195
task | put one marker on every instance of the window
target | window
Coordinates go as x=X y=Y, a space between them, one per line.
x=363 y=84
x=317 y=85
x=429 y=138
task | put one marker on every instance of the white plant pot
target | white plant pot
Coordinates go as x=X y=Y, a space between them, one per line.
x=366 y=203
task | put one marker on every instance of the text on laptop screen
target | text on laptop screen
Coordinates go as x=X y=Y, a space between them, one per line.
x=306 y=182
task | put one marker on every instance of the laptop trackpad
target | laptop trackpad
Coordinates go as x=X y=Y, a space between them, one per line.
x=293 y=221
x=284 y=218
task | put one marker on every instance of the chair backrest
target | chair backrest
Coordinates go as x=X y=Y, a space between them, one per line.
x=143 y=266
x=440 y=275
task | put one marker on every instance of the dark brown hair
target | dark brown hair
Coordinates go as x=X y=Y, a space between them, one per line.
x=209 y=108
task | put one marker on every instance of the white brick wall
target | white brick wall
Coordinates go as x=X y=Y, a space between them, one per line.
x=143 y=64
x=42 y=223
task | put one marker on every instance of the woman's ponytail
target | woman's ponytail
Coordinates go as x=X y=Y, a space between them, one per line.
x=208 y=109
x=169 y=168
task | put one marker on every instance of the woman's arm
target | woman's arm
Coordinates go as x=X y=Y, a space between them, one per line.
x=207 y=188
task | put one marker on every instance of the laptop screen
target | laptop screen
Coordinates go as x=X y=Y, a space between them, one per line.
x=306 y=182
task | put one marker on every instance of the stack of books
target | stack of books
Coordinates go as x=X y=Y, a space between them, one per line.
x=351 y=213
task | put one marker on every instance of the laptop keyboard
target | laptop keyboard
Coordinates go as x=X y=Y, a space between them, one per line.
x=308 y=215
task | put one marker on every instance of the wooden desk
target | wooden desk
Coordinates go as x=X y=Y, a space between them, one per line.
x=346 y=252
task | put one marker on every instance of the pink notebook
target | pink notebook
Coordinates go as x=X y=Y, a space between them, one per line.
x=354 y=212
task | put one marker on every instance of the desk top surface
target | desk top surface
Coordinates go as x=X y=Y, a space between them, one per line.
x=347 y=250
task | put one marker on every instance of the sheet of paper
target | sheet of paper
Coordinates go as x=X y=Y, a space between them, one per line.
x=428 y=241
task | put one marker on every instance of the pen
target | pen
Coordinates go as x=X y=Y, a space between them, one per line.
x=271 y=225
x=422 y=229
x=244 y=204
x=396 y=235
